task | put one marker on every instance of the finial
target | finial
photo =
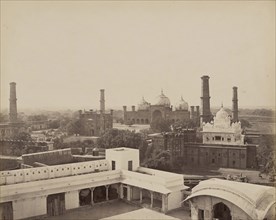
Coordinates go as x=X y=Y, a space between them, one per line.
x=162 y=92
x=221 y=104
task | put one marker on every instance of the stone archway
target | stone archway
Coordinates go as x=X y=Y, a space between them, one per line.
x=221 y=212
x=156 y=115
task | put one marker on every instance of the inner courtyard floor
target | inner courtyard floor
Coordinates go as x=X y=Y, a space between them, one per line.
x=108 y=209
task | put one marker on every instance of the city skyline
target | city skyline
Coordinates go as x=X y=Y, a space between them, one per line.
x=61 y=54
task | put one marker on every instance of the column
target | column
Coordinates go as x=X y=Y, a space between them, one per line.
x=92 y=196
x=141 y=196
x=164 y=203
x=151 y=199
x=106 y=192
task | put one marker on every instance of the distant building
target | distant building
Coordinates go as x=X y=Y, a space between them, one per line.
x=52 y=190
x=146 y=112
x=224 y=199
x=95 y=123
x=219 y=144
x=14 y=126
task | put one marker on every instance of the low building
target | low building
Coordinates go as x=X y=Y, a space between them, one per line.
x=51 y=190
x=224 y=199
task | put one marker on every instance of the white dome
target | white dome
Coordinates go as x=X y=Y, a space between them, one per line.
x=182 y=105
x=143 y=105
x=163 y=100
x=222 y=114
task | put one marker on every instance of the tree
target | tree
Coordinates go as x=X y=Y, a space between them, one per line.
x=245 y=123
x=23 y=136
x=161 y=160
x=160 y=125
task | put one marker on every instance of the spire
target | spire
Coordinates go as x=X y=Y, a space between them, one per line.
x=182 y=98
x=221 y=104
x=162 y=92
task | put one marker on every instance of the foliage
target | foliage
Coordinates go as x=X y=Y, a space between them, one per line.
x=160 y=125
x=245 y=123
x=37 y=118
x=184 y=124
x=160 y=160
x=73 y=127
x=266 y=153
x=23 y=136
x=54 y=124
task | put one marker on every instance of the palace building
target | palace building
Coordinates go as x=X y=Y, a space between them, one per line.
x=55 y=189
x=146 y=112
x=95 y=123
x=220 y=143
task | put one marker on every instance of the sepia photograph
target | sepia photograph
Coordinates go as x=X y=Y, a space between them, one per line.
x=135 y=110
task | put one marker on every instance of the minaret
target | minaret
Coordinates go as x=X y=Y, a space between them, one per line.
x=192 y=116
x=205 y=100
x=235 y=109
x=102 y=101
x=13 y=106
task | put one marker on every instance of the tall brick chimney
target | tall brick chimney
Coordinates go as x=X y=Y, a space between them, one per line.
x=235 y=109
x=205 y=100
x=13 y=106
x=102 y=101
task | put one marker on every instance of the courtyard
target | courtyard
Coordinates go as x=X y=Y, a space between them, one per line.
x=109 y=209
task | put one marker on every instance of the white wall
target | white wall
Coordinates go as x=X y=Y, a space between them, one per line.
x=121 y=156
x=72 y=200
x=174 y=200
x=26 y=208
x=206 y=203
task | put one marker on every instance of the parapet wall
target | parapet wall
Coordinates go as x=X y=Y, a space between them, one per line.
x=49 y=157
x=50 y=172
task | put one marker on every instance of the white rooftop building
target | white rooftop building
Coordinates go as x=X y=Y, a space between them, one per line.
x=224 y=199
x=51 y=190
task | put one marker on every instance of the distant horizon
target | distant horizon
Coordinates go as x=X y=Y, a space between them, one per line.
x=61 y=53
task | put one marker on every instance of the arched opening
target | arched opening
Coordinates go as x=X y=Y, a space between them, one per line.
x=137 y=121
x=142 y=121
x=92 y=132
x=99 y=194
x=147 y=121
x=85 y=197
x=156 y=115
x=221 y=212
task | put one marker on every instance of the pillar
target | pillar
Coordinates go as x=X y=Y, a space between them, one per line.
x=106 y=192
x=125 y=113
x=13 y=100
x=235 y=109
x=164 y=203
x=192 y=112
x=205 y=100
x=102 y=101
x=141 y=196
x=92 y=195
x=151 y=199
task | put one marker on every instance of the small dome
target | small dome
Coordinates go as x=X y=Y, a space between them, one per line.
x=222 y=114
x=182 y=105
x=143 y=105
x=163 y=100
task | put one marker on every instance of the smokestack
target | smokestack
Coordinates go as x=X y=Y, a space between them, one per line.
x=205 y=100
x=133 y=108
x=192 y=112
x=13 y=106
x=102 y=101
x=235 y=109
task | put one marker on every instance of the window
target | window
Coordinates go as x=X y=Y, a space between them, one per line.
x=213 y=161
x=217 y=138
x=130 y=165
x=113 y=165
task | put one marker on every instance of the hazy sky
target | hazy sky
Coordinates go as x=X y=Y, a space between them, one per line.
x=61 y=54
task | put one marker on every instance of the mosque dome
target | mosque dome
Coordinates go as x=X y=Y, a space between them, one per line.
x=163 y=100
x=222 y=114
x=143 y=105
x=182 y=105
